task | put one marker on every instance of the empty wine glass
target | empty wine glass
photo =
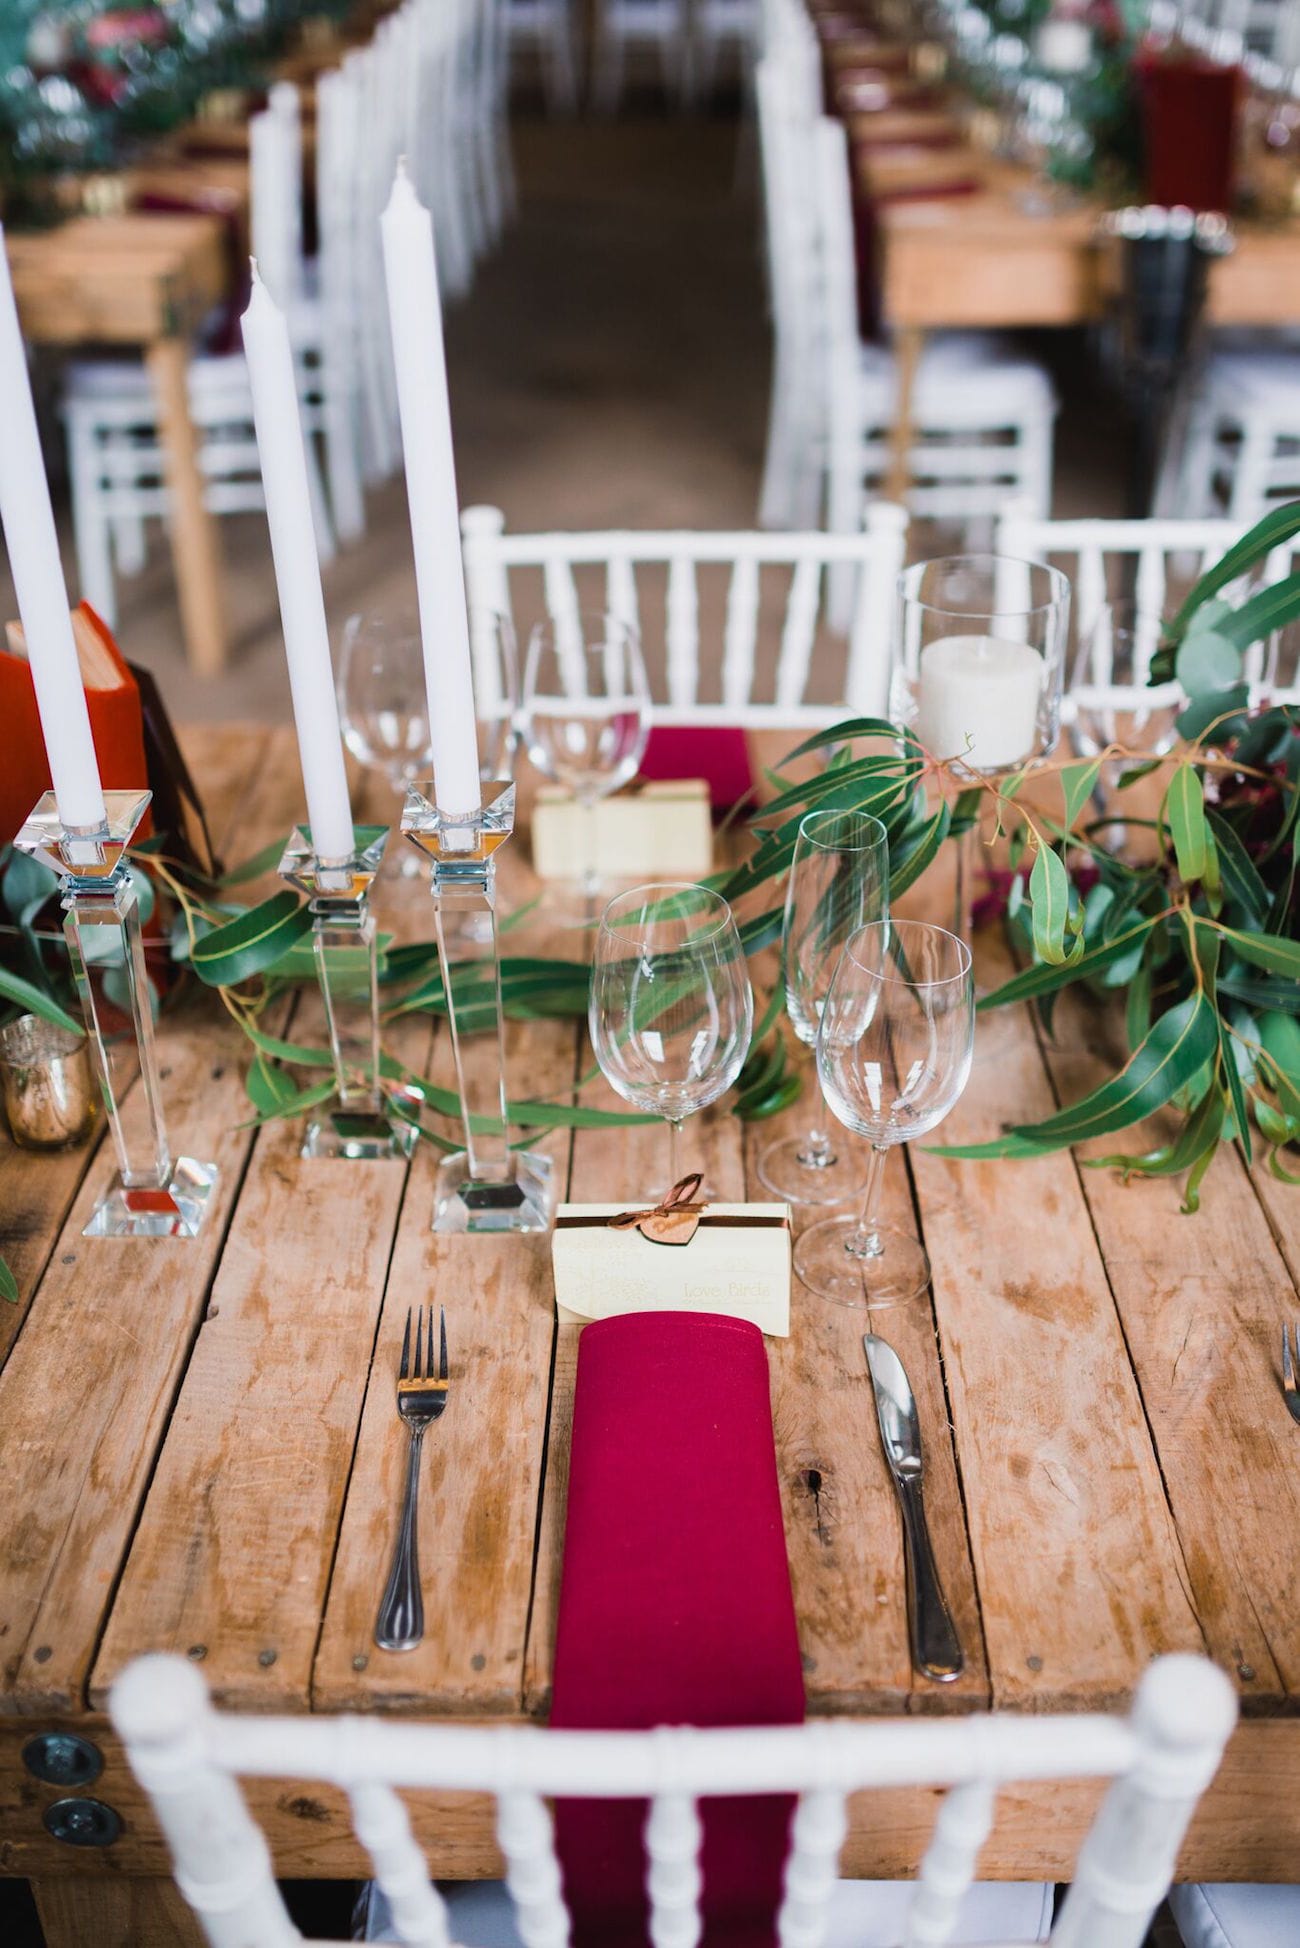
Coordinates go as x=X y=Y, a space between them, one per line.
x=839 y=880
x=1111 y=699
x=671 y=1010
x=893 y=1054
x=586 y=710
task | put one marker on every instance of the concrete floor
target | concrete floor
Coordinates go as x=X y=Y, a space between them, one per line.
x=609 y=368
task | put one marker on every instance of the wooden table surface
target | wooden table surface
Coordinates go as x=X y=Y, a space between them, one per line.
x=992 y=259
x=201 y=1452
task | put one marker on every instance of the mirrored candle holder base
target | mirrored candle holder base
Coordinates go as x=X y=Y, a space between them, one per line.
x=153 y=1195
x=525 y=1201
x=175 y=1209
x=359 y=1125
x=487 y=1187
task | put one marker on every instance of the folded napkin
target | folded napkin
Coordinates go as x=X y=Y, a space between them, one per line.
x=675 y=1604
x=717 y=753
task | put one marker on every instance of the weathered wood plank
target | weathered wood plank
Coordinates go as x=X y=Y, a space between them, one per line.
x=1081 y=1579
x=39 y=1186
x=115 y=1914
x=842 y=1526
x=1202 y=1299
x=107 y=1336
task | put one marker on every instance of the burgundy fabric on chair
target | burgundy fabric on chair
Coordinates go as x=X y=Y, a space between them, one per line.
x=718 y=754
x=675 y=1604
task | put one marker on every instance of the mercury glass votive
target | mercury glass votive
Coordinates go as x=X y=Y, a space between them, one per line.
x=49 y=1091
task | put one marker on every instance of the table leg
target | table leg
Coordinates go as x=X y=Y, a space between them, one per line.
x=909 y=343
x=77 y=1910
x=194 y=536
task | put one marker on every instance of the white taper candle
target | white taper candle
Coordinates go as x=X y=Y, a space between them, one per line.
x=33 y=547
x=415 y=314
x=297 y=572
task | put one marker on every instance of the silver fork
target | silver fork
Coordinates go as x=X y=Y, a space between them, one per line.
x=1290 y=1391
x=421 y=1397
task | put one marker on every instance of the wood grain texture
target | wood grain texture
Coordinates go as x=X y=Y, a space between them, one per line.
x=1202 y=1299
x=115 y=1914
x=1080 y=1575
x=842 y=1526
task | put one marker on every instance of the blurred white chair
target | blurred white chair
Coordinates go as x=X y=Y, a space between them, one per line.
x=1236 y=1915
x=1141 y=560
x=713 y=675
x=1241 y=455
x=545 y=30
x=983 y=416
x=110 y=413
x=625 y=26
x=186 y=1756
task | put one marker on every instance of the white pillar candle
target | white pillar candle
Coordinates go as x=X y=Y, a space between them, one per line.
x=34 y=562
x=297 y=572
x=978 y=700
x=415 y=315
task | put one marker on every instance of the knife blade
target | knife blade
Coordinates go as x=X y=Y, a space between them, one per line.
x=936 y=1649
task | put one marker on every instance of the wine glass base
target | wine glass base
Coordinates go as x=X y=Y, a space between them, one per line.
x=898 y=1274
x=783 y=1170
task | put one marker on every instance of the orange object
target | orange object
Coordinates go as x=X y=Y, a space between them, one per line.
x=116 y=721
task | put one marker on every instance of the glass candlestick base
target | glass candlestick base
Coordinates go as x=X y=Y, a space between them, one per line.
x=358 y=1125
x=487 y=1186
x=153 y=1195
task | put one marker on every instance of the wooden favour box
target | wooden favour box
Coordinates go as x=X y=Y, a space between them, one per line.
x=737 y=1262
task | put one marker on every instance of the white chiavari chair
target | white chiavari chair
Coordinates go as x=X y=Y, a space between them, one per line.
x=545 y=31
x=1152 y=563
x=729 y=622
x=115 y=453
x=624 y=27
x=188 y=1758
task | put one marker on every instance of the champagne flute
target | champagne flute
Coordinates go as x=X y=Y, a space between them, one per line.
x=839 y=880
x=671 y=1010
x=586 y=711
x=893 y=1054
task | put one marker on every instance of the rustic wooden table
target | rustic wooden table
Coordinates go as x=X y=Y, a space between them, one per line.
x=989 y=260
x=201 y=1451
x=149 y=279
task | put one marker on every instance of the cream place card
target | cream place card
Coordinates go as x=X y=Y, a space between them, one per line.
x=664 y=830
x=735 y=1260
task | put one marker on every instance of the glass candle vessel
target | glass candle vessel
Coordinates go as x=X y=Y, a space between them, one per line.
x=49 y=1093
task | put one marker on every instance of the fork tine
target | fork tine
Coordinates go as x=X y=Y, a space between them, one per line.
x=1288 y=1371
x=419 y=1345
x=442 y=1336
x=403 y=1371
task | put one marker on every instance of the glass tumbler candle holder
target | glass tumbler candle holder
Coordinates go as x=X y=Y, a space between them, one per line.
x=49 y=1096
x=153 y=1195
x=979 y=653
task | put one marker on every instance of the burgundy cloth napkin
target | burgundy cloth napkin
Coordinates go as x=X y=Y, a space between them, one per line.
x=675 y=1604
x=718 y=754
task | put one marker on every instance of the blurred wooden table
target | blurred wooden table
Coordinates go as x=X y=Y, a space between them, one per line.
x=992 y=260
x=202 y=1454
x=147 y=279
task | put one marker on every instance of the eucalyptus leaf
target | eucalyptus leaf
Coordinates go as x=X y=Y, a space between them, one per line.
x=255 y=941
x=1079 y=781
x=34 y=1001
x=1181 y=1040
x=1185 y=811
x=1207 y=660
x=8 y=1284
x=1222 y=710
x=1049 y=894
x=1276 y=527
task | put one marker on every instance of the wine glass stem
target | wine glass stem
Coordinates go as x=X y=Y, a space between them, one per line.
x=674 y=1151
x=590 y=876
x=968 y=854
x=816 y=1153
x=865 y=1241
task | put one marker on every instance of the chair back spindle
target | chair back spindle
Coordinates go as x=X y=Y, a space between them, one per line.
x=186 y=1756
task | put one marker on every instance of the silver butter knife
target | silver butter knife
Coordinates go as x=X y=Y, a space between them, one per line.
x=936 y=1651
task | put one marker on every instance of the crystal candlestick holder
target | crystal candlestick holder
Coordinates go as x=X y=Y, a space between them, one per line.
x=487 y=1186
x=359 y=1123
x=153 y=1195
